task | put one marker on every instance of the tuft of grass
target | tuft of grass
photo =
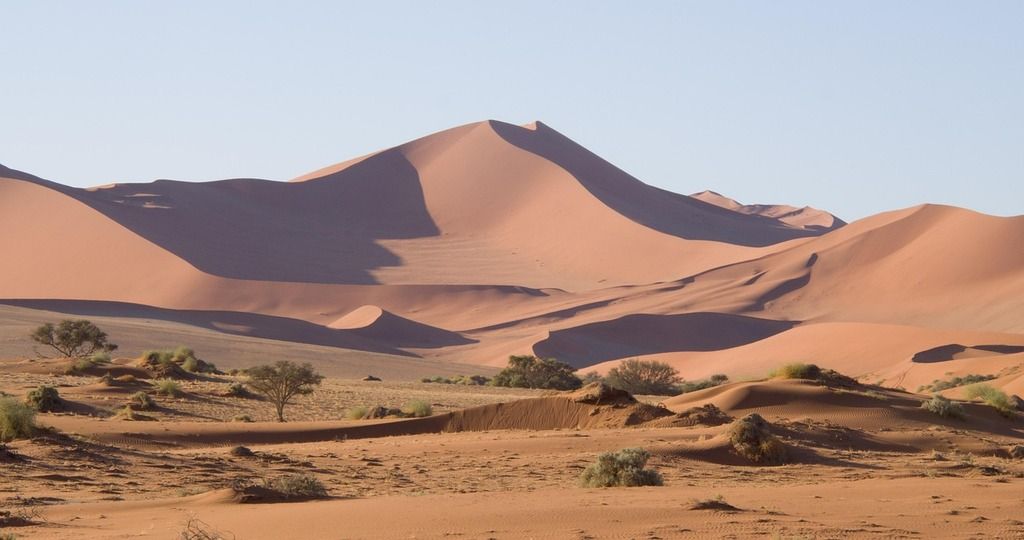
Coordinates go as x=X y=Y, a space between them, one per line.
x=993 y=397
x=623 y=468
x=296 y=486
x=944 y=407
x=190 y=364
x=167 y=387
x=237 y=389
x=938 y=386
x=142 y=401
x=44 y=399
x=797 y=370
x=752 y=438
x=242 y=418
x=357 y=413
x=417 y=409
x=711 y=382
x=17 y=420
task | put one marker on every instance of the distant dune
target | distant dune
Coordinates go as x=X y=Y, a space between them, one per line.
x=492 y=239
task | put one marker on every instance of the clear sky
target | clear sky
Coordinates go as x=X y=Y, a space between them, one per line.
x=856 y=107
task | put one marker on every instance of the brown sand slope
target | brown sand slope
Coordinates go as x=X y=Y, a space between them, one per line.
x=803 y=218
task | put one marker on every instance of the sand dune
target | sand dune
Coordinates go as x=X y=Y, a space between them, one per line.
x=801 y=218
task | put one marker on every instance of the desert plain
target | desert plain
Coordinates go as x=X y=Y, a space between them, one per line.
x=444 y=256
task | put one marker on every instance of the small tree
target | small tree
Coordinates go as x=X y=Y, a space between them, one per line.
x=73 y=338
x=644 y=377
x=531 y=372
x=283 y=381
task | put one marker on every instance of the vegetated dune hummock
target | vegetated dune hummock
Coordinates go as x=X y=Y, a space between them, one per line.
x=492 y=239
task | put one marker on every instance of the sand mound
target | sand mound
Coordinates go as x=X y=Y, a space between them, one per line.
x=373 y=322
x=800 y=218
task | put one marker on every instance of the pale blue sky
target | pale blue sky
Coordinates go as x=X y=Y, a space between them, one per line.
x=856 y=107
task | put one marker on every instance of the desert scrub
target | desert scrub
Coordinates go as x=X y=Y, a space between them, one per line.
x=167 y=387
x=944 y=407
x=142 y=401
x=993 y=397
x=296 y=486
x=44 y=399
x=711 y=382
x=417 y=409
x=796 y=370
x=245 y=418
x=752 y=438
x=938 y=386
x=17 y=420
x=357 y=413
x=237 y=389
x=623 y=468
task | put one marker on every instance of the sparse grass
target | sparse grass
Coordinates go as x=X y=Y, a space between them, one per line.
x=417 y=409
x=17 y=420
x=623 y=468
x=44 y=399
x=296 y=486
x=993 y=397
x=710 y=382
x=142 y=401
x=242 y=418
x=167 y=387
x=940 y=385
x=944 y=407
x=469 y=380
x=357 y=413
x=752 y=438
x=796 y=370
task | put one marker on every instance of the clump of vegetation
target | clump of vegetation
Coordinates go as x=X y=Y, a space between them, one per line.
x=142 y=401
x=73 y=338
x=357 y=413
x=281 y=382
x=167 y=387
x=944 y=407
x=993 y=397
x=417 y=409
x=648 y=377
x=176 y=362
x=296 y=486
x=717 y=379
x=242 y=418
x=796 y=370
x=717 y=504
x=591 y=377
x=622 y=468
x=468 y=380
x=940 y=385
x=17 y=420
x=752 y=438
x=527 y=371
x=237 y=389
x=44 y=399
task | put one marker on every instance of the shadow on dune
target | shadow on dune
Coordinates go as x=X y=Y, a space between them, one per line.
x=945 y=353
x=229 y=322
x=663 y=211
x=640 y=334
x=321 y=231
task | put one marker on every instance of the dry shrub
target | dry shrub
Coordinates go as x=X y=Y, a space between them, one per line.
x=296 y=486
x=44 y=399
x=623 y=468
x=17 y=420
x=944 y=407
x=752 y=438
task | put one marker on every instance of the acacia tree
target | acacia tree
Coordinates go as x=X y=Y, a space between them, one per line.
x=644 y=377
x=528 y=371
x=73 y=338
x=283 y=381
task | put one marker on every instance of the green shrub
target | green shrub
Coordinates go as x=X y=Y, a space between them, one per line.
x=797 y=370
x=995 y=398
x=944 y=407
x=532 y=372
x=101 y=358
x=752 y=438
x=167 y=387
x=17 y=420
x=648 y=377
x=418 y=409
x=73 y=338
x=44 y=399
x=190 y=364
x=710 y=382
x=622 y=468
x=357 y=413
x=938 y=386
x=142 y=401
x=296 y=486
x=237 y=389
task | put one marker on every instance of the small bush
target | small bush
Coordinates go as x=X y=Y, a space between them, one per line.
x=648 y=377
x=417 y=409
x=242 y=418
x=532 y=372
x=938 y=386
x=797 y=370
x=710 y=382
x=191 y=364
x=167 y=387
x=101 y=358
x=357 y=413
x=623 y=468
x=45 y=399
x=17 y=420
x=296 y=486
x=237 y=389
x=142 y=401
x=995 y=398
x=752 y=438
x=944 y=407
